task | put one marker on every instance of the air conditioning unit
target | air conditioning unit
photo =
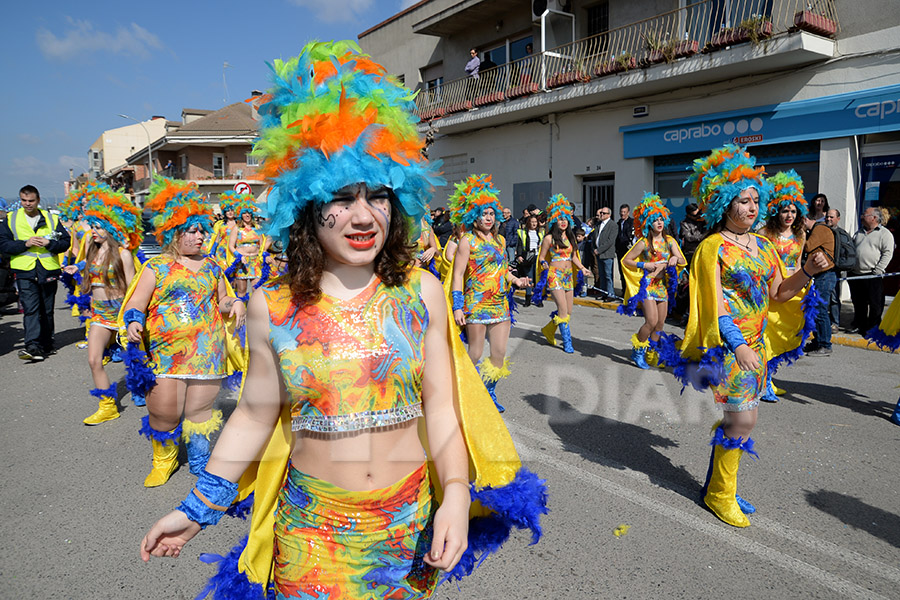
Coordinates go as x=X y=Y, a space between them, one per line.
x=539 y=6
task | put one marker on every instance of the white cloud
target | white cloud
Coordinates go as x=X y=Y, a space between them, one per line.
x=81 y=38
x=29 y=165
x=28 y=138
x=79 y=163
x=336 y=11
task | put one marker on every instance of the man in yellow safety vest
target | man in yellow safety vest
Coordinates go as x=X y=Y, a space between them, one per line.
x=34 y=239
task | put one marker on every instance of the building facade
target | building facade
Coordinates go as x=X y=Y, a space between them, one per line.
x=603 y=101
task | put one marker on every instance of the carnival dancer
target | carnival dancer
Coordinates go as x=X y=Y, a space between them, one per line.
x=557 y=256
x=448 y=252
x=428 y=249
x=246 y=243
x=357 y=345
x=887 y=336
x=735 y=274
x=176 y=307
x=72 y=212
x=481 y=279
x=221 y=235
x=784 y=228
x=107 y=269
x=651 y=277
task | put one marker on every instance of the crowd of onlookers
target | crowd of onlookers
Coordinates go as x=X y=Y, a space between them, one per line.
x=604 y=239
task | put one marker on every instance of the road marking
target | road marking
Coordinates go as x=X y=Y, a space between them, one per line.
x=715 y=530
x=857 y=560
x=606 y=341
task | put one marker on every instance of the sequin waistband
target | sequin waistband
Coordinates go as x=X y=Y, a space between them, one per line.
x=561 y=260
x=369 y=419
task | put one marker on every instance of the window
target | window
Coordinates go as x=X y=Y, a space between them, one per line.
x=252 y=161
x=517 y=49
x=493 y=57
x=218 y=165
x=184 y=165
x=598 y=19
x=433 y=89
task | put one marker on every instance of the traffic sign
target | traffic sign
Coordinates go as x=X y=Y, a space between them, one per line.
x=242 y=187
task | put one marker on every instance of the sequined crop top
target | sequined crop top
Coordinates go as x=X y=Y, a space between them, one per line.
x=560 y=254
x=248 y=237
x=355 y=364
x=97 y=277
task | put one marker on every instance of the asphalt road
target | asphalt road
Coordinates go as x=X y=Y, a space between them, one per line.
x=618 y=446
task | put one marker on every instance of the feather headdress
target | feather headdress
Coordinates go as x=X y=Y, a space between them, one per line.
x=471 y=198
x=558 y=208
x=176 y=205
x=71 y=207
x=115 y=213
x=230 y=200
x=650 y=209
x=334 y=118
x=720 y=178
x=787 y=189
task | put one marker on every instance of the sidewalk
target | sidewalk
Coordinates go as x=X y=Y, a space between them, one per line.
x=839 y=338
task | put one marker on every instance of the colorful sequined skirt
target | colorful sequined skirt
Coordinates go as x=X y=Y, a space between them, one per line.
x=559 y=276
x=332 y=543
x=251 y=268
x=106 y=313
x=740 y=390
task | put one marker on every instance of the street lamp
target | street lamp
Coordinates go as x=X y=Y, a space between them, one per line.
x=149 y=143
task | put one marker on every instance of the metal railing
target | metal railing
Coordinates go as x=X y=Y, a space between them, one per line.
x=704 y=26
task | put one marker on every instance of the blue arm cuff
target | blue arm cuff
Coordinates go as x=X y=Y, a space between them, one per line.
x=81 y=265
x=640 y=264
x=458 y=300
x=730 y=333
x=218 y=491
x=133 y=315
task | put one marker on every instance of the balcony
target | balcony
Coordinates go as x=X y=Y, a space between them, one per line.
x=705 y=42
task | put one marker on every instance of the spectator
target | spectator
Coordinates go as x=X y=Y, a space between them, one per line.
x=528 y=242
x=824 y=282
x=34 y=238
x=691 y=231
x=603 y=252
x=473 y=65
x=833 y=219
x=442 y=226
x=624 y=238
x=170 y=169
x=874 y=249
x=819 y=206
x=508 y=228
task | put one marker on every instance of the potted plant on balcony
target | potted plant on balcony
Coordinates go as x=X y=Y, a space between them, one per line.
x=657 y=50
x=807 y=20
x=685 y=48
x=756 y=28
x=573 y=75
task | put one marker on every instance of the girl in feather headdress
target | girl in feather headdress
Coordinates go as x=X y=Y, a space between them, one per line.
x=349 y=352
x=245 y=242
x=651 y=276
x=219 y=240
x=735 y=276
x=176 y=307
x=482 y=278
x=557 y=256
x=784 y=228
x=106 y=271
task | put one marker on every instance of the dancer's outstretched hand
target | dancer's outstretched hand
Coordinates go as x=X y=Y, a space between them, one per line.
x=451 y=529
x=168 y=536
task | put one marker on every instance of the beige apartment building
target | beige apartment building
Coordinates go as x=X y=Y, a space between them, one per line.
x=603 y=101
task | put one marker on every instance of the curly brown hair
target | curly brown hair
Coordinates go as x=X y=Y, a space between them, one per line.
x=306 y=258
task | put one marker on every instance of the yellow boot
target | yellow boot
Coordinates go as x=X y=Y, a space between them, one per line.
x=720 y=495
x=165 y=453
x=107 y=410
x=549 y=330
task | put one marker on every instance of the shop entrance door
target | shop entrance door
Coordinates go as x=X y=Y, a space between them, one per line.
x=597 y=192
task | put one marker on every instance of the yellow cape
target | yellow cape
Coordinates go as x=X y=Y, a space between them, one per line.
x=702 y=331
x=784 y=330
x=235 y=354
x=633 y=276
x=493 y=460
x=890 y=322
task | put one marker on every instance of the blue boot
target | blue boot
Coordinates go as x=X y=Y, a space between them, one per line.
x=490 y=375
x=895 y=418
x=769 y=394
x=566 y=334
x=638 y=352
x=746 y=507
x=197 y=440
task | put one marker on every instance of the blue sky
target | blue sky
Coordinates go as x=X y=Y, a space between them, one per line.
x=70 y=68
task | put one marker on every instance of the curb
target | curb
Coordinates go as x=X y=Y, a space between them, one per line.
x=855 y=341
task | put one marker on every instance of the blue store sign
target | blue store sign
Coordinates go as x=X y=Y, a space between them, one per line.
x=856 y=113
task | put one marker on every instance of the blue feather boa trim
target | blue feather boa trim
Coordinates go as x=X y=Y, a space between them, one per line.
x=810 y=306
x=705 y=373
x=511 y=302
x=232 y=269
x=540 y=289
x=579 y=284
x=519 y=504
x=632 y=307
x=160 y=436
x=142 y=258
x=139 y=375
x=240 y=510
x=432 y=268
x=265 y=273
x=883 y=340
x=233 y=381
x=720 y=439
x=672 y=286
x=229 y=583
x=83 y=302
x=111 y=391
